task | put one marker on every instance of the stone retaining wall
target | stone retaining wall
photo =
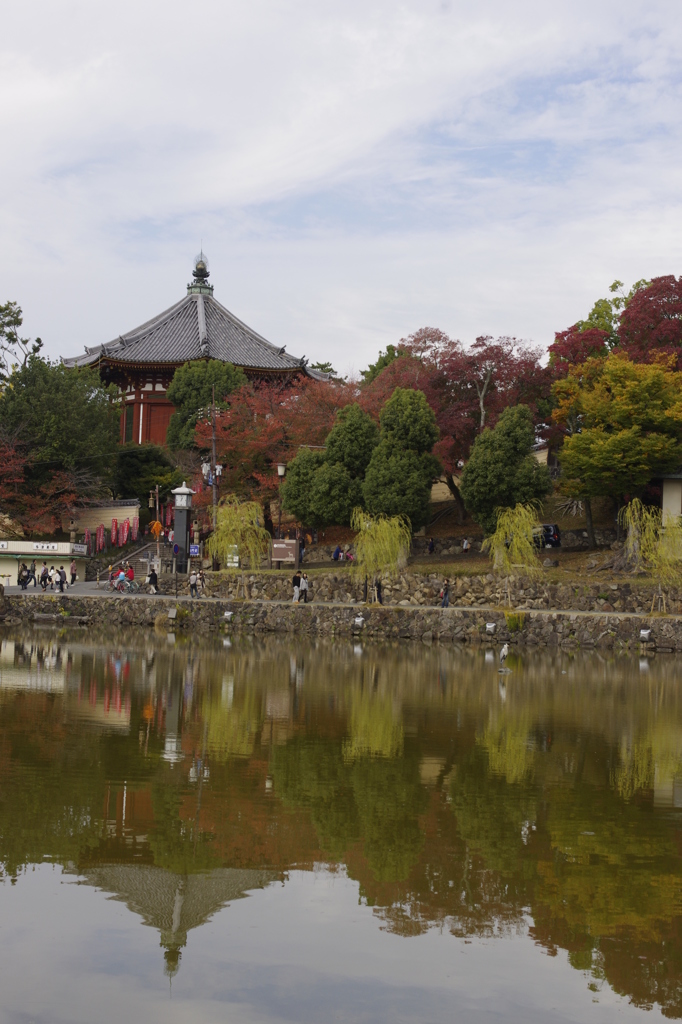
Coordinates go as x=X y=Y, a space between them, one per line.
x=423 y=589
x=485 y=625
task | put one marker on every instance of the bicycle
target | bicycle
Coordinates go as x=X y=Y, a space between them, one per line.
x=118 y=586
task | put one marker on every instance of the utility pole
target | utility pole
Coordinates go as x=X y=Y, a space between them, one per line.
x=158 y=549
x=213 y=464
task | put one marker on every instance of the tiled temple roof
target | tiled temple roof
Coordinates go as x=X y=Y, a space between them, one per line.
x=197 y=327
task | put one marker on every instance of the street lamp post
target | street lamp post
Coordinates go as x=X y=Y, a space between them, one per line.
x=281 y=473
x=154 y=499
x=183 y=509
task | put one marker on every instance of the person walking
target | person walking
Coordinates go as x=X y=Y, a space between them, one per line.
x=22 y=576
x=432 y=546
x=44 y=576
x=304 y=587
x=73 y=569
x=61 y=578
x=445 y=594
x=193 y=580
x=296 y=583
x=153 y=581
x=32 y=573
x=465 y=546
x=50 y=576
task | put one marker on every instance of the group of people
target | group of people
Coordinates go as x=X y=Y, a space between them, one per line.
x=123 y=573
x=196 y=579
x=52 y=578
x=300 y=584
x=342 y=554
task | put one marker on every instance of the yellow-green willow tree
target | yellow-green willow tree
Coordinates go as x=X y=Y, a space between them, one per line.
x=512 y=546
x=238 y=526
x=382 y=543
x=654 y=544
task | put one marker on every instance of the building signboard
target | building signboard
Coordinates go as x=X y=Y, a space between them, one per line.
x=285 y=551
x=45 y=546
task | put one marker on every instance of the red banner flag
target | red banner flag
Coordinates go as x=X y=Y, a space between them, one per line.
x=114 y=532
x=100 y=537
x=125 y=531
x=169 y=514
x=136 y=527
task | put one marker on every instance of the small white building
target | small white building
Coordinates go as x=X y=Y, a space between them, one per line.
x=672 y=494
x=54 y=552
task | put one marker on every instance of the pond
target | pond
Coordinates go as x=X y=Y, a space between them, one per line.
x=268 y=831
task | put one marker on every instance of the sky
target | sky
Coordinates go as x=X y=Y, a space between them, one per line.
x=354 y=171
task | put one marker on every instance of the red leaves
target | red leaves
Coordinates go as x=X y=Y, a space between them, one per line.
x=574 y=347
x=267 y=423
x=33 y=508
x=466 y=388
x=651 y=323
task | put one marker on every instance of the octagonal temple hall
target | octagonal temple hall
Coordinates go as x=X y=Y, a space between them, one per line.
x=142 y=362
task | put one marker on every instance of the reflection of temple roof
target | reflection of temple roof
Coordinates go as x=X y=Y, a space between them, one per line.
x=172 y=903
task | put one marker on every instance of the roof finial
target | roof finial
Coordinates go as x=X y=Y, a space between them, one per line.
x=201 y=271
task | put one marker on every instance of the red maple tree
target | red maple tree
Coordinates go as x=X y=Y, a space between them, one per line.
x=651 y=323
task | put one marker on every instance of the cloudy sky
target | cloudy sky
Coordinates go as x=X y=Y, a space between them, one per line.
x=355 y=170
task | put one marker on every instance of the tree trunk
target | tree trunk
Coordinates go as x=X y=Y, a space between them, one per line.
x=590 y=525
x=459 y=501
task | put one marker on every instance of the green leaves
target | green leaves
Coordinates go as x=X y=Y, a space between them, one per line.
x=239 y=524
x=502 y=471
x=627 y=419
x=65 y=417
x=191 y=392
x=402 y=470
x=322 y=488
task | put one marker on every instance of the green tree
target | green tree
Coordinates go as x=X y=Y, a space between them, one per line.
x=139 y=469
x=402 y=469
x=66 y=419
x=14 y=350
x=297 y=487
x=502 y=470
x=384 y=359
x=239 y=524
x=325 y=367
x=323 y=489
x=605 y=314
x=624 y=422
x=191 y=392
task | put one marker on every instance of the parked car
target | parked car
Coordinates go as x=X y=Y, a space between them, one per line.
x=547 y=536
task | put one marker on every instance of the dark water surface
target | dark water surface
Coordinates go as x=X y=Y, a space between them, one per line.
x=321 y=833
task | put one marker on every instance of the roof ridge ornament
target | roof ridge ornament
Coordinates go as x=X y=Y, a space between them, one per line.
x=200 y=274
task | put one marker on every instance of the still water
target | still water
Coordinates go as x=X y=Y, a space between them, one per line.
x=317 y=833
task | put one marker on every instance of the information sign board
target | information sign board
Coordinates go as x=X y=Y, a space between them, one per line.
x=285 y=551
x=194 y=551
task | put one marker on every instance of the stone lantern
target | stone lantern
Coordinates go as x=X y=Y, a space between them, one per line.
x=183 y=512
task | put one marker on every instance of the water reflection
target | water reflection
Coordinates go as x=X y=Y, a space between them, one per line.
x=177 y=779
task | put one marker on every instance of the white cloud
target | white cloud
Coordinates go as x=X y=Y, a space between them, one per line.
x=355 y=172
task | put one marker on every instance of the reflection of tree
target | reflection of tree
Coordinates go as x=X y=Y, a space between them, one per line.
x=541 y=805
x=313 y=774
x=375 y=800
x=232 y=730
x=374 y=727
x=509 y=753
x=654 y=754
x=178 y=844
x=389 y=798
